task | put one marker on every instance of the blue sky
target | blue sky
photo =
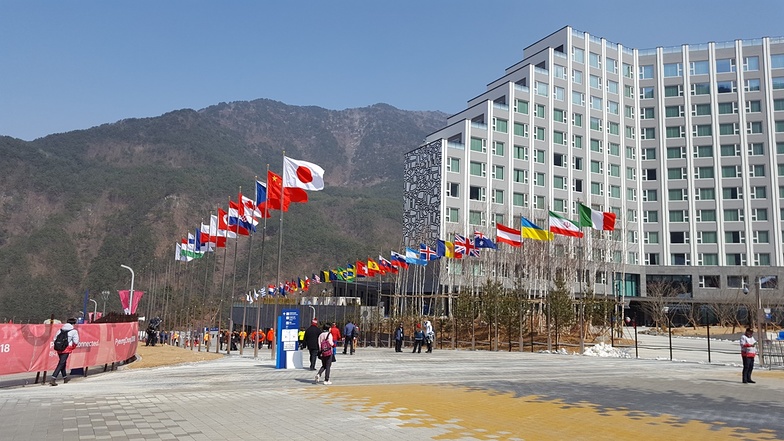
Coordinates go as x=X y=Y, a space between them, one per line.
x=68 y=65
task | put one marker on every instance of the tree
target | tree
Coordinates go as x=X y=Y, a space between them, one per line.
x=560 y=305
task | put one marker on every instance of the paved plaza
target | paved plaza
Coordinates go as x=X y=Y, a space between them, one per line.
x=378 y=394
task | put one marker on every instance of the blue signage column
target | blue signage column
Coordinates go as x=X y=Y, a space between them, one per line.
x=287 y=336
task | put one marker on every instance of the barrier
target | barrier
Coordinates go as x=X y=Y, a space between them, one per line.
x=28 y=348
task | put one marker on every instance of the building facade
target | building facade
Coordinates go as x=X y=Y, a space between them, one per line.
x=684 y=144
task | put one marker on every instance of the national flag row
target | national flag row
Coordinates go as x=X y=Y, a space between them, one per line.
x=242 y=216
x=463 y=246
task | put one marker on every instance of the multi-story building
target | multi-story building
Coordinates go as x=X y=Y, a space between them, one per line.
x=685 y=144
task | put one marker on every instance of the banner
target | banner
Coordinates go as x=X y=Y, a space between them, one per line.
x=28 y=348
x=126 y=300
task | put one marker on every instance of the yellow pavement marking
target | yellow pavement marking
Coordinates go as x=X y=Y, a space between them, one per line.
x=482 y=414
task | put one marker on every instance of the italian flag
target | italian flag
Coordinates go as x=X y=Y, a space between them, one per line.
x=598 y=220
x=563 y=226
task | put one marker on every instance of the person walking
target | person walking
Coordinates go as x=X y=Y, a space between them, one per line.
x=399 y=336
x=64 y=343
x=430 y=336
x=748 y=350
x=312 y=342
x=327 y=351
x=348 y=335
x=270 y=337
x=335 y=338
x=419 y=338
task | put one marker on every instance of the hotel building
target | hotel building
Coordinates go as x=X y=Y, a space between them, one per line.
x=685 y=144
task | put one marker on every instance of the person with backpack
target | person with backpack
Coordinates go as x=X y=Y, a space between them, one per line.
x=64 y=343
x=326 y=351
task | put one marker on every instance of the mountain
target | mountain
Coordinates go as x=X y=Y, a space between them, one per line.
x=75 y=206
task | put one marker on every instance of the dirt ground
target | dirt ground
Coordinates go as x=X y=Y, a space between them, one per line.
x=165 y=355
x=715 y=331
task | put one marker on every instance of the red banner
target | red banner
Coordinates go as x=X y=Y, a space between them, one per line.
x=28 y=348
x=125 y=299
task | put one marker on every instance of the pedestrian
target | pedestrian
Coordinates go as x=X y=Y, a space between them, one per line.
x=64 y=343
x=430 y=336
x=327 y=351
x=335 y=338
x=399 y=336
x=419 y=338
x=748 y=350
x=348 y=334
x=270 y=337
x=312 y=342
x=301 y=338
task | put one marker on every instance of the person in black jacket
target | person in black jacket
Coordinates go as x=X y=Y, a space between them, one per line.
x=312 y=342
x=399 y=336
x=419 y=338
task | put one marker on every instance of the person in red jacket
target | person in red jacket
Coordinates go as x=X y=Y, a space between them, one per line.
x=335 y=338
x=73 y=341
x=270 y=337
x=748 y=350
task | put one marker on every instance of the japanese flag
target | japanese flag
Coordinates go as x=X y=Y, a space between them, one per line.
x=302 y=174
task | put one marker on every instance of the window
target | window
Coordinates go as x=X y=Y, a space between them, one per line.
x=677 y=194
x=708 y=259
x=646 y=93
x=578 y=55
x=646 y=72
x=597 y=188
x=705 y=172
x=539 y=156
x=521 y=152
x=631 y=173
x=778 y=83
x=614 y=148
x=671 y=91
x=559 y=115
x=612 y=87
x=521 y=107
x=703 y=151
x=676 y=173
x=675 y=132
x=776 y=61
x=730 y=171
x=596 y=124
x=728 y=108
x=478 y=169
x=453 y=165
x=479 y=145
x=611 y=65
x=520 y=199
x=628 y=111
x=700 y=89
x=750 y=64
x=498 y=148
x=757 y=170
x=615 y=191
x=500 y=125
x=707 y=193
x=753 y=106
x=476 y=217
x=578 y=98
x=628 y=70
x=541 y=88
x=630 y=152
x=759 y=214
x=596 y=103
x=498 y=196
x=679 y=216
x=452 y=214
x=675 y=111
x=736 y=259
x=699 y=68
x=577 y=76
x=539 y=111
x=559 y=182
x=559 y=160
x=595 y=60
x=728 y=129
x=577 y=119
x=578 y=185
x=680 y=259
x=559 y=71
x=628 y=91
x=577 y=163
x=650 y=195
x=726 y=87
x=673 y=70
x=701 y=130
x=725 y=65
x=647 y=133
x=752 y=85
x=651 y=237
x=753 y=127
x=706 y=215
x=577 y=141
x=613 y=128
x=707 y=237
x=559 y=93
x=762 y=259
x=596 y=167
x=759 y=192
x=676 y=152
x=735 y=236
x=648 y=153
x=559 y=137
x=476 y=193
x=701 y=109
x=595 y=82
x=779 y=126
x=732 y=193
x=521 y=129
x=733 y=215
x=596 y=145
x=778 y=104
x=614 y=170
x=539 y=179
x=730 y=150
x=498 y=172
x=453 y=189
x=679 y=237
x=539 y=133
x=613 y=107
x=520 y=176
x=761 y=237
x=650 y=216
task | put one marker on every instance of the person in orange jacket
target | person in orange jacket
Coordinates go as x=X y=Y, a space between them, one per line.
x=335 y=338
x=270 y=337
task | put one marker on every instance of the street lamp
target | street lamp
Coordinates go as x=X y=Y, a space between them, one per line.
x=105 y=295
x=95 y=308
x=130 y=299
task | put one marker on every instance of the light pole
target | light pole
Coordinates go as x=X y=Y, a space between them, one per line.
x=130 y=299
x=95 y=309
x=105 y=295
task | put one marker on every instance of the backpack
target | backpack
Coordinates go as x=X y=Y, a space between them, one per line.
x=61 y=341
x=326 y=348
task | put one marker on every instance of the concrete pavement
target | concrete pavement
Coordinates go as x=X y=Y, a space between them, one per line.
x=382 y=395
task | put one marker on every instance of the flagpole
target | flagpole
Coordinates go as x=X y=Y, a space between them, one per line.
x=261 y=273
x=212 y=285
x=280 y=250
x=223 y=286
x=233 y=292
x=247 y=280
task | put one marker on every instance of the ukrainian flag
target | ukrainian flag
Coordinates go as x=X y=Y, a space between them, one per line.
x=531 y=231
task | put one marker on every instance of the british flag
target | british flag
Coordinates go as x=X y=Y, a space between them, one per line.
x=465 y=246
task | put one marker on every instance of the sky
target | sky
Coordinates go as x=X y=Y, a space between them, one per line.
x=69 y=65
